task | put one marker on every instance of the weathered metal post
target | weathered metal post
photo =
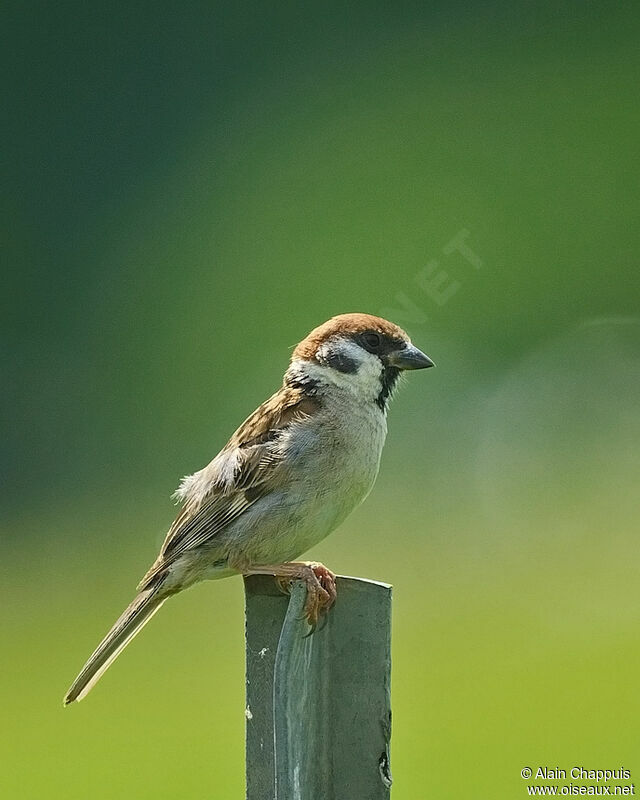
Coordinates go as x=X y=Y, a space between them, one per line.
x=318 y=707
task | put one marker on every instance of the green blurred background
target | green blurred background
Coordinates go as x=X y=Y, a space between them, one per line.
x=189 y=189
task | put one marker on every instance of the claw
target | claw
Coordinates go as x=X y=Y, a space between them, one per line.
x=323 y=622
x=283 y=584
x=321 y=593
x=320 y=583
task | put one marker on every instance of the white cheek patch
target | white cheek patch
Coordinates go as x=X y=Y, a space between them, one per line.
x=364 y=382
x=369 y=366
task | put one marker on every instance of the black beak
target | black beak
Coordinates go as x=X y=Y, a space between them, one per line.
x=409 y=357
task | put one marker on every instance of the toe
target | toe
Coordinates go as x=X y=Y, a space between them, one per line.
x=312 y=608
x=327 y=580
x=283 y=584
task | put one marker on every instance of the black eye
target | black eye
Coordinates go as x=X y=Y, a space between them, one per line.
x=371 y=341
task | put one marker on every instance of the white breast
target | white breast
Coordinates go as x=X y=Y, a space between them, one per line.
x=337 y=460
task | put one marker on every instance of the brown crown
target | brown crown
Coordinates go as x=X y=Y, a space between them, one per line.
x=346 y=325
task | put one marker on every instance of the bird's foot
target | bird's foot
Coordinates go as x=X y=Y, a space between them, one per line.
x=320 y=583
x=321 y=592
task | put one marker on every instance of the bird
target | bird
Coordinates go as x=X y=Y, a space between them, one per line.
x=289 y=475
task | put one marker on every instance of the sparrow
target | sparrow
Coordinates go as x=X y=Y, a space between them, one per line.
x=288 y=476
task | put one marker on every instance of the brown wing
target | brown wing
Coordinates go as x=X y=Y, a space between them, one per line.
x=257 y=471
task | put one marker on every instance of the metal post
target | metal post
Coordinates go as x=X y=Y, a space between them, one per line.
x=318 y=707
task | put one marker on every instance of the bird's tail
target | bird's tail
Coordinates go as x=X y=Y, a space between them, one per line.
x=144 y=606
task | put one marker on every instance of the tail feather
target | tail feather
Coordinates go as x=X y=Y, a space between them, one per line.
x=129 y=623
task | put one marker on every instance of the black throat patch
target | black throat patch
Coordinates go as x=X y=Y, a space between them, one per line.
x=388 y=382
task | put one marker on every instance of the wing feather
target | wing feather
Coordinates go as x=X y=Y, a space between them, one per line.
x=214 y=498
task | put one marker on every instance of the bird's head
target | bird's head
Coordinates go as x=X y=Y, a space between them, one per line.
x=358 y=353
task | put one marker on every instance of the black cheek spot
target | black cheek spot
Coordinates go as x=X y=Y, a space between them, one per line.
x=341 y=363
